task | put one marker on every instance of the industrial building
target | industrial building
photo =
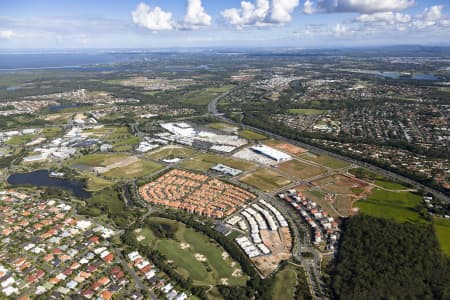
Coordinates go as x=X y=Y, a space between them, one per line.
x=271 y=153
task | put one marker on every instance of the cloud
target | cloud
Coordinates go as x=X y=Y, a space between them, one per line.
x=361 y=6
x=195 y=15
x=262 y=13
x=281 y=10
x=433 y=13
x=432 y=16
x=152 y=18
x=6 y=34
x=308 y=7
x=384 y=17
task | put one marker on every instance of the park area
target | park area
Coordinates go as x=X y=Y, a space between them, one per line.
x=265 y=180
x=193 y=254
x=300 y=169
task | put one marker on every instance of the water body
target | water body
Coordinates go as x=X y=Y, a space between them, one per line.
x=57 y=108
x=416 y=76
x=41 y=179
x=33 y=61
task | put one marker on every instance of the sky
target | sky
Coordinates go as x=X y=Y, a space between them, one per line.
x=86 y=24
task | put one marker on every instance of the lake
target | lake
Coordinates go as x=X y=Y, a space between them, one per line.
x=41 y=179
x=416 y=76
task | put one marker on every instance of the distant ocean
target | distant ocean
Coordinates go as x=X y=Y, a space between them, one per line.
x=24 y=61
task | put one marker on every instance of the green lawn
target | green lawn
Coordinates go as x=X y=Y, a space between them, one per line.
x=183 y=249
x=306 y=111
x=21 y=139
x=251 y=135
x=222 y=126
x=95 y=183
x=204 y=96
x=285 y=283
x=107 y=198
x=325 y=160
x=52 y=132
x=442 y=228
x=203 y=162
x=265 y=180
x=171 y=152
x=393 y=205
x=390 y=185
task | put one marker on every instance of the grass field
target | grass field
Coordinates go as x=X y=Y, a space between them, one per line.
x=390 y=185
x=265 y=180
x=442 y=228
x=52 y=132
x=222 y=126
x=186 y=251
x=171 y=152
x=107 y=198
x=306 y=111
x=95 y=183
x=203 y=162
x=325 y=160
x=21 y=139
x=251 y=135
x=204 y=96
x=100 y=159
x=300 y=170
x=108 y=132
x=393 y=205
x=285 y=283
x=140 y=168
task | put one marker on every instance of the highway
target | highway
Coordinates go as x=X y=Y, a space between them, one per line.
x=212 y=109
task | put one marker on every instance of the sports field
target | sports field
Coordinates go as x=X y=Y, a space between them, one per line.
x=442 y=228
x=325 y=160
x=392 y=205
x=170 y=152
x=203 y=162
x=193 y=254
x=300 y=170
x=265 y=180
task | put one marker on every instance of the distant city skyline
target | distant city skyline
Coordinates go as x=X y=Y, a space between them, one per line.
x=41 y=24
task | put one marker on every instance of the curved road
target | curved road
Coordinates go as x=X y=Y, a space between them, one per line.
x=212 y=109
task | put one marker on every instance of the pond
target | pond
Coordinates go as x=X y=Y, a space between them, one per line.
x=41 y=178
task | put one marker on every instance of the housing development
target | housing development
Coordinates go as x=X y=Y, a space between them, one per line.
x=259 y=174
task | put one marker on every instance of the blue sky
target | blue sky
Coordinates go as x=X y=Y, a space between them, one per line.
x=67 y=24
